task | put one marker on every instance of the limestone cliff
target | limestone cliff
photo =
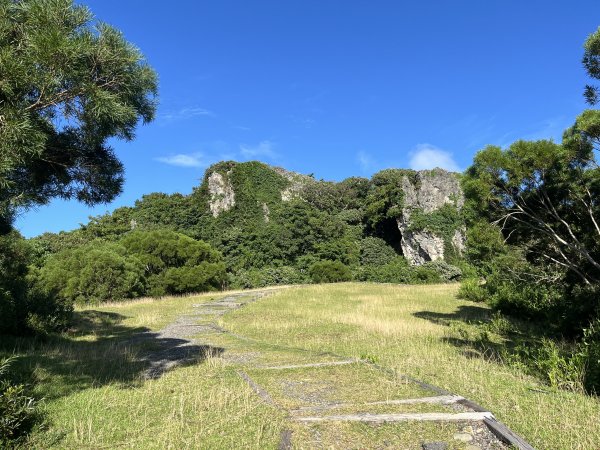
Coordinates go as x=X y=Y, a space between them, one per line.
x=222 y=196
x=425 y=206
x=430 y=192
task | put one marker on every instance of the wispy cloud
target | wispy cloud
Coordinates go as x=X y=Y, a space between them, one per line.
x=427 y=156
x=264 y=149
x=186 y=113
x=211 y=152
x=184 y=160
x=365 y=161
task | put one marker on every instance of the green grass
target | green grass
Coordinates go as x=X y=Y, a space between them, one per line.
x=96 y=398
x=407 y=328
x=362 y=436
x=296 y=388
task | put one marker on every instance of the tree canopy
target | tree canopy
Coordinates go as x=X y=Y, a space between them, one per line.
x=543 y=199
x=68 y=83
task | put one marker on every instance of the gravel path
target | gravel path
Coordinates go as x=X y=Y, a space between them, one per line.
x=174 y=345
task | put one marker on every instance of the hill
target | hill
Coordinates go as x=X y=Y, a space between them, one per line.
x=262 y=216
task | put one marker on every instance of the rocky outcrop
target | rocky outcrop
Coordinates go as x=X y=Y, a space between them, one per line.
x=297 y=182
x=426 y=192
x=222 y=197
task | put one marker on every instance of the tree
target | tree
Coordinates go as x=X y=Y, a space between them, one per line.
x=543 y=199
x=585 y=133
x=67 y=84
x=92 y=273
x=175 y=263
x=543 y=196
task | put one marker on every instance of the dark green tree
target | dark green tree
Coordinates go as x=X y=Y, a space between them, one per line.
x=93 y=273
x=543 y=198
x=175 y=263
x=67 y=84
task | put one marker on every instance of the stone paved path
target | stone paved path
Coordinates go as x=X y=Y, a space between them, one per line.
x=315 y=391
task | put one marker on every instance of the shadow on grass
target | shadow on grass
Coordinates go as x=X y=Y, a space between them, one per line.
x=479 y=333
x=98 y=350
x=463 y=313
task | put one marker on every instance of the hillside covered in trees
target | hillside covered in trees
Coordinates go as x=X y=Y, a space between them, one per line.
x=263 y=226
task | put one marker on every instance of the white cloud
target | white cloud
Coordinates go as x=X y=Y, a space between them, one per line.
x=186 y=113
x=427 y=156
x=183 y=160
x=264 y=149
x=365 y=161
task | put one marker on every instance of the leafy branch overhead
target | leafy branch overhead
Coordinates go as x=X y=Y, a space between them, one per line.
x=68 y=84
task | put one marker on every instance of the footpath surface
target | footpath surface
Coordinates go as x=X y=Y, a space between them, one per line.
x=330 y=401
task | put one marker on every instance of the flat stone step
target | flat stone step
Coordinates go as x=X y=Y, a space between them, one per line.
x=302 y=366
x=223 y=304
x=408 y=417
x=439 y=400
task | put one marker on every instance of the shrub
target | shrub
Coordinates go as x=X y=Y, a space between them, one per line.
x=447 y=272
x=23 y=307
x=522 y=296
x=14 y=257
x=396 y=271
x=269 y=276
x=180 y=280
x=399 y=271
x=93 y=273
x=45 y=312
x=424 y=275
x=329 y=272
x=472 y=290
x=554 y=363
x=176 y=263
x=159 y=250
x=375 y=251
x=17 y=410
x=588 y=350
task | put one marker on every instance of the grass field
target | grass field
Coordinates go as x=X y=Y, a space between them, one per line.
x=95 y=396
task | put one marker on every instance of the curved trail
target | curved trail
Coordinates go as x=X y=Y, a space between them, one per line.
x=190 y=337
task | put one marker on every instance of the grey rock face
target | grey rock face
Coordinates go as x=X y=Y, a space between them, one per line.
x=432 y=190
x=222 y=197
x=297 y=183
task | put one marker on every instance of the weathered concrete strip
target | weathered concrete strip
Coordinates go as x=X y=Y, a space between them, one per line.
x=256 y=388
x=408 y=417
x=302 y=366
x=285 y=440
x=440 y=400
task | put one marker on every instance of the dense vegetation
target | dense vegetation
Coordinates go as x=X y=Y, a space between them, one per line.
x=69 y=84
x=324 y=232
x=534 y=237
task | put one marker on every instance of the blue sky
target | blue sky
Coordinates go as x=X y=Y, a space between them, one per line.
x=339 y=88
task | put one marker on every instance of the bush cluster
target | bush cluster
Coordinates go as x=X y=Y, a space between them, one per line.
x=329 y=272
x=269 y=276
x=142 y=263
x=23 y=306
x=18 y=411
x=399 y=271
